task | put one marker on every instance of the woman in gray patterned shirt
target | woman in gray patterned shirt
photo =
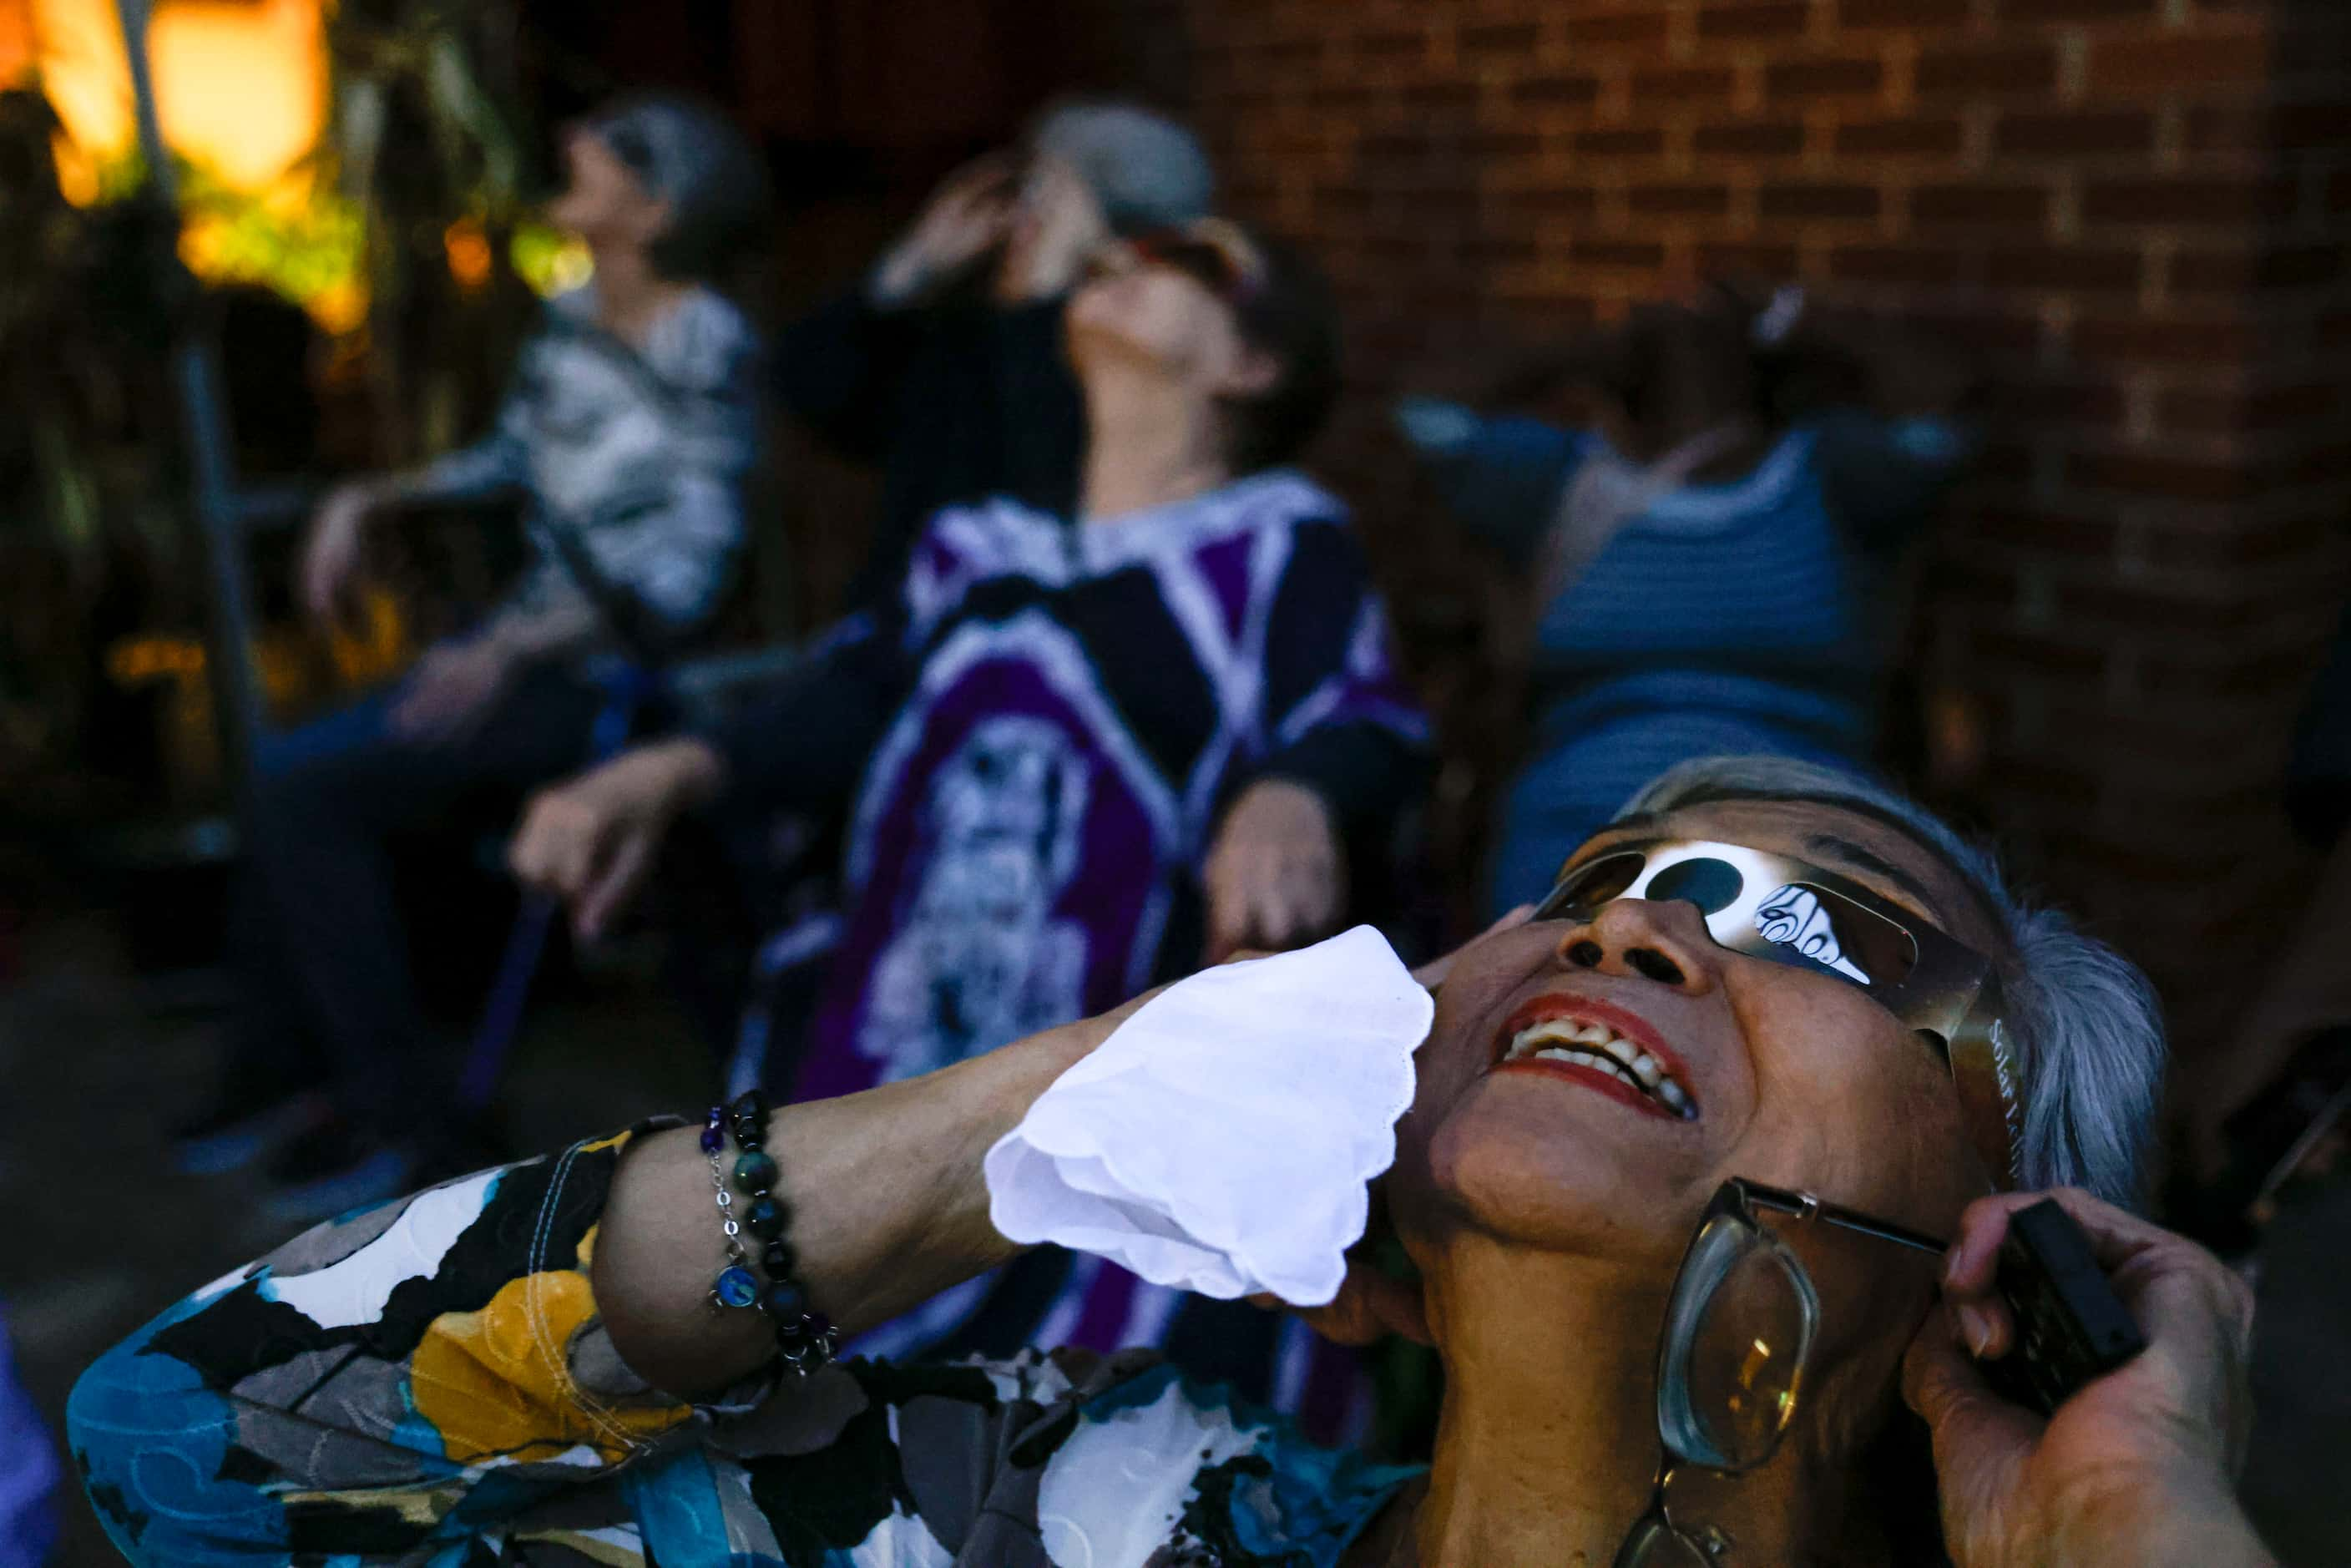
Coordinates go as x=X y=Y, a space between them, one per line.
x=627 y=437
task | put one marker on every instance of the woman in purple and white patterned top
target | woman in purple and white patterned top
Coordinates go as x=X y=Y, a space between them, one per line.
x=1074 y=757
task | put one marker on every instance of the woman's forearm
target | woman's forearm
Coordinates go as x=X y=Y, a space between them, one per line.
x=530 y=636
x=888 y=1206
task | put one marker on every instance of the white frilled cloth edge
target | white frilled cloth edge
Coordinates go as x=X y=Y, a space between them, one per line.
x=1222 y=1139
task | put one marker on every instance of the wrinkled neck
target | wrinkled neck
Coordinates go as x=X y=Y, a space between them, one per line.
x=1547 y=1443
x=1150 y=442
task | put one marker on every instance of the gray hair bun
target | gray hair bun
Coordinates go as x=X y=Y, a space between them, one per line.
x=1146 y=171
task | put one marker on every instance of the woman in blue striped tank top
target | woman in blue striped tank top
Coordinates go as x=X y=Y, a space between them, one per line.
x=1714 y=569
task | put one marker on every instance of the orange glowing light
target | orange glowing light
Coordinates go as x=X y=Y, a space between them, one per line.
x=471 y=261
x=240 y=85
x=16 y=59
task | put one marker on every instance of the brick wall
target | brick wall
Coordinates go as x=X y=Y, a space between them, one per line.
x=2133 y=210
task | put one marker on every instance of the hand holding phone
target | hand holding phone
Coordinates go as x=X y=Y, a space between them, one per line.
x=2069 y=1325
x=2108 y=1454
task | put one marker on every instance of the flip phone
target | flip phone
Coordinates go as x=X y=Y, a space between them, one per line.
x=2071 y=1327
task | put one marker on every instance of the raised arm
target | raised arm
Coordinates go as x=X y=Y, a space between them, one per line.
x=887 y=1201
x=410 y=1379
x=841 y=369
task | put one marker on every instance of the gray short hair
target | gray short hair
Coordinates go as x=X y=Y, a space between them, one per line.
x=1146 y=171
x=692 y=157
x=2088 y=1028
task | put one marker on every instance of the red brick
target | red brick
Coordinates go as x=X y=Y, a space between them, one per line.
x=2073 y=10
x=1642 y=29
x=1969 y=579
x=1501 y=250
x=1819 y=200
x=2067 y=406
x=2323 y=462
x=2073 y=271
x=1552 y=201
x=2199 y=606
x=2074 y=134
x=1391 y=47
x=1981 y=205
x=2209 y=344
x=2208 y=412
x=1490 y=145
x=1784 y=19
x=1995 y=332
x=2191 y=200
x=2028 y=70
x=1678 y=201
x=1845 y=77
x=1443 y=97
x=2172 y=477
x=1551 y=92
x=1767 y=261
x=2048 y=785
x=2000 y=458
x=2180 y=63
x=1340 y=96
x=2313 y=46
x=2240 y=271
x=1756 y=139
x=2094 y=535
x=1855 y=14
x=1918 y=137
x=1439 y=200
x=1628 y=141
x=1617 y=253
x=1287 y=56
x=1907 y=265
x=1393 y=147
x=2300 y=127
x=1667 y=83
x=2239 y=677
x=2226 y=128
x=1510 y=39
x=2137 y=872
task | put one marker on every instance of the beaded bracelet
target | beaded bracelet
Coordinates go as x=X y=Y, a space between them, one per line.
x=804 y=1337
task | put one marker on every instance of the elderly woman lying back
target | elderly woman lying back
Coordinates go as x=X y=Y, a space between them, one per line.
x=1763 y=977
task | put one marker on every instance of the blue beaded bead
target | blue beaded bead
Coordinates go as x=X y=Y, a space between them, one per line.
x=736 y=1286
x=713 y=1140
x=766 y=1219
x=784 y=1301
x=755 y=1172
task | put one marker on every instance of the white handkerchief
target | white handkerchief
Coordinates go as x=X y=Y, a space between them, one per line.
x=1221 y=1139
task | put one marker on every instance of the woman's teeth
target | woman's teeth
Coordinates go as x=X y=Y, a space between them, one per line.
x=1601 y=1049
